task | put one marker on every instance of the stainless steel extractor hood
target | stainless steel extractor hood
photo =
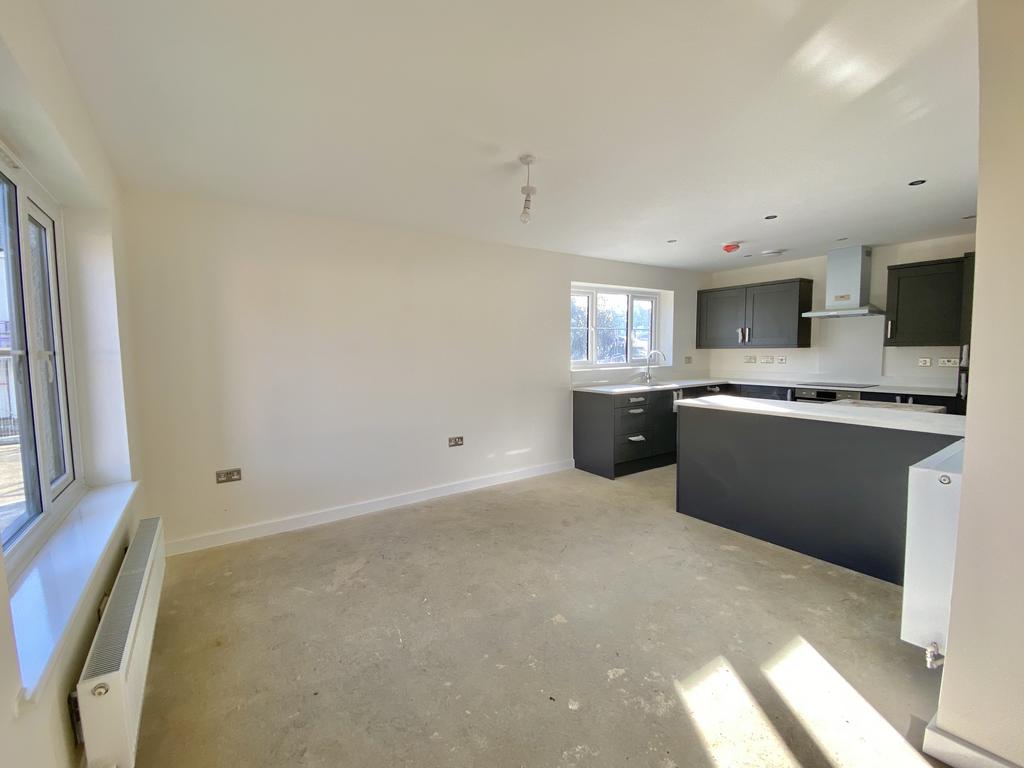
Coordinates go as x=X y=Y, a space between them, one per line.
x=847 y=284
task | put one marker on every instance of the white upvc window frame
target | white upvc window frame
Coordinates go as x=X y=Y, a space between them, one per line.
x=591 y=292
x=57 y=499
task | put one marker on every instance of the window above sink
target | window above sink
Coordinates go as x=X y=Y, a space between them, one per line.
x=617 y=326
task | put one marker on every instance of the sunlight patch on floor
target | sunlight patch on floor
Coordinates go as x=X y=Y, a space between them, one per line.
x=847 y=729
x=735 y=730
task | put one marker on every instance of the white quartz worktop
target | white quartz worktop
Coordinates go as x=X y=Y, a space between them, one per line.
x=625 y=389
x=884 y=418
x=886 y=388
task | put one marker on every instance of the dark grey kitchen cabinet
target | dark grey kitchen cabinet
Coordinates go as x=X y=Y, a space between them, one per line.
x=757 y=316
x=721 y=318
x=951 y=404
x=967 y=304
x=707 y=390
x=662 y=419
x=773 y=314
x=925 y=304
x=615 y=435
x=764 y=392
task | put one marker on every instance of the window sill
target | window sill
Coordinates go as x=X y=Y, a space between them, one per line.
x=50 y=592
x=632 y=367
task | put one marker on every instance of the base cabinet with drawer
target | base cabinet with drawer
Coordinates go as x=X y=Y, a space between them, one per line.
x=616 y=435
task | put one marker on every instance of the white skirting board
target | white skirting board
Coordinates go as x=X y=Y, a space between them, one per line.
x=319 y=517
x=958 y=753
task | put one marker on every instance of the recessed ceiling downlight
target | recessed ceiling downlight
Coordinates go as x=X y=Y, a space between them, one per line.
x=917 y=182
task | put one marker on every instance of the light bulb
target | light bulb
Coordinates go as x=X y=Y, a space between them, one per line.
x=525 y=215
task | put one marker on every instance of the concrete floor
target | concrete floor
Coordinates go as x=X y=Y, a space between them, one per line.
x=559 y=621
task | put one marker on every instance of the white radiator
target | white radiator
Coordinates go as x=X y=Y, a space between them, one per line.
x=114 y=678
x=933 y=511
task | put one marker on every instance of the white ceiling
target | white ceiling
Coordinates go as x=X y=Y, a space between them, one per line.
x=651 y=120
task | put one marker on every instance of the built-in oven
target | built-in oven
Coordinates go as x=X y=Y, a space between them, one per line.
x=824 y=395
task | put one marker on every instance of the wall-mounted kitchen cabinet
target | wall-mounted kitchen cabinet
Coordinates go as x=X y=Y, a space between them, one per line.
x=758 y=315
x=928 y=304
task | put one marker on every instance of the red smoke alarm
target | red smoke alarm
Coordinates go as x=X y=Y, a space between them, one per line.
x=731 y=247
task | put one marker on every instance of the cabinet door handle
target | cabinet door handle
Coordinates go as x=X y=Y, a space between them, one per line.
x=739 y=335
x=637 y=399
x=746 y=335
x=714 y=389
x=636 y=410
x=888 y=329
x=637 y=438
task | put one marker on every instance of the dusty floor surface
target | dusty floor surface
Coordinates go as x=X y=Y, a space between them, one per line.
x=560 y=621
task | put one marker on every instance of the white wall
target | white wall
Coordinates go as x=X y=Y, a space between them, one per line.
x=331 y=360
x=833 y=341
x=982 y=696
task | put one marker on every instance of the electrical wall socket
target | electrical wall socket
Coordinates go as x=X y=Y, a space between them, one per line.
x=229 y=475
x=455 y=442
x=948 y=362
x=770 y=359
x=749 y=358
x=780 y=359
x=687 y=359
x=924 y=362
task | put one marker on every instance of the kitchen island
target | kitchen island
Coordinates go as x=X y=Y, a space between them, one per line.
x=828 y=480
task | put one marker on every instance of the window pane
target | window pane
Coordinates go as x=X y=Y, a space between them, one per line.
x=611 y=310
x=610 y=336
x=640 y=347
x=19 y=482
x=54 y=460
x=643 y=310
x=579 y=307
x=578 y=343
x=611 y=345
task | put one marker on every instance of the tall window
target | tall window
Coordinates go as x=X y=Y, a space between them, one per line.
x=36 y=463
x=611 y=327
